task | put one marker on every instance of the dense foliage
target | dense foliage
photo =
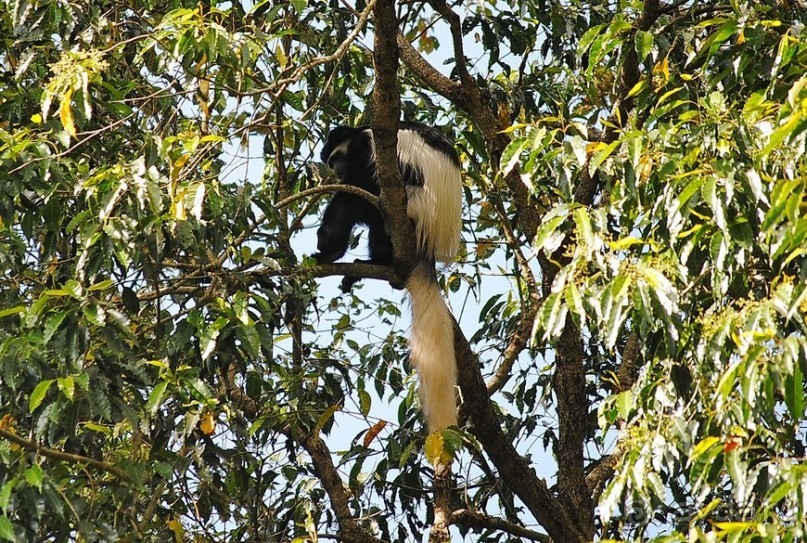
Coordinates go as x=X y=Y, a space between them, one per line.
x=633 y=284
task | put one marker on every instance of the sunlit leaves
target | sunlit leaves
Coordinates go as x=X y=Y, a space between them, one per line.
x=601 y=40
x=698 y=250
x=154 y=313
x=73 y=74
x=117 y=248
x=440 y=447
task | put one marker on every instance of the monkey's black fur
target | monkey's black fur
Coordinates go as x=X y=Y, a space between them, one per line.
x=349 y=152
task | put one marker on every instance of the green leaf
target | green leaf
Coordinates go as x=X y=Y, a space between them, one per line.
x=97 y=428
x=512 y=154
x=624 y=404
x=587 y=38
x=201 y=389
x=574 y=300
x=5 y=493
x=67 y=386
x=325 y=417
x=710 y=194
x=207 y=342
x=6 y=529
x=641 y=85
x=38 y=395
x=780 y=134
x=94 y=314
x=666 y=95
x=102 y=285
x=644 y=44
x=614 y=307
x=365 y=401
x=406 y=453
x=780 y=491
x=452 y=440
x=625 y=243
x=704 y=445
x=602 y=155
x=12 y=311
x=726 y=30
x=546 y=236
x=794 y=393
x=83 y=381
x=550 y=314
x=707 y=509
x=583 y=223
x=34 y=476
x=728 y=381
x=156 y=397
x=52 y=325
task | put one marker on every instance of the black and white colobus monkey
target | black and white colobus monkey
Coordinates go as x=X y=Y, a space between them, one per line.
x=431 y=171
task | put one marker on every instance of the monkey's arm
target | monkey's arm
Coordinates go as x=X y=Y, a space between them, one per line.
x=338 y=221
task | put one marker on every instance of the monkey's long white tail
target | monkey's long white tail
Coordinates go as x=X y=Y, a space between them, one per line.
x=432 y=348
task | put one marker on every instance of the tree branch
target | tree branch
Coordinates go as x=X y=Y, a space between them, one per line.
x=626 y=376
x=453 y=19
x=569 y=386
x=629 y=367
x=387 y=111
x=358 y=269
x=518 y=341
x=480 y=521
x=512 y=468
x=323 y=189
x=63 y=456
x=630 y=74
x=598 y=476
x=570 y=374
x=349 y=529
x=429 y=76
x=442 y=504
x=281 y=85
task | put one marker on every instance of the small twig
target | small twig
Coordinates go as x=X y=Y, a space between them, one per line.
x=150 y=508
x=281 y=85
x=336 y=187
x=520 y=338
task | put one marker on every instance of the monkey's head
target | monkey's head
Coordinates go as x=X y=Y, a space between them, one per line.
x=334 y=153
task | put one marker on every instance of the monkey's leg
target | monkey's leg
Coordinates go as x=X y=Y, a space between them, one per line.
x=380 y=248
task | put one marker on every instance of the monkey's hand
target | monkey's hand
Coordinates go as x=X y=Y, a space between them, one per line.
x=347 y=283
x=331 y=244
x=323 y=258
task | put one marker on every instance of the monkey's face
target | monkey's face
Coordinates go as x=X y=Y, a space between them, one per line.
x=337 y=160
